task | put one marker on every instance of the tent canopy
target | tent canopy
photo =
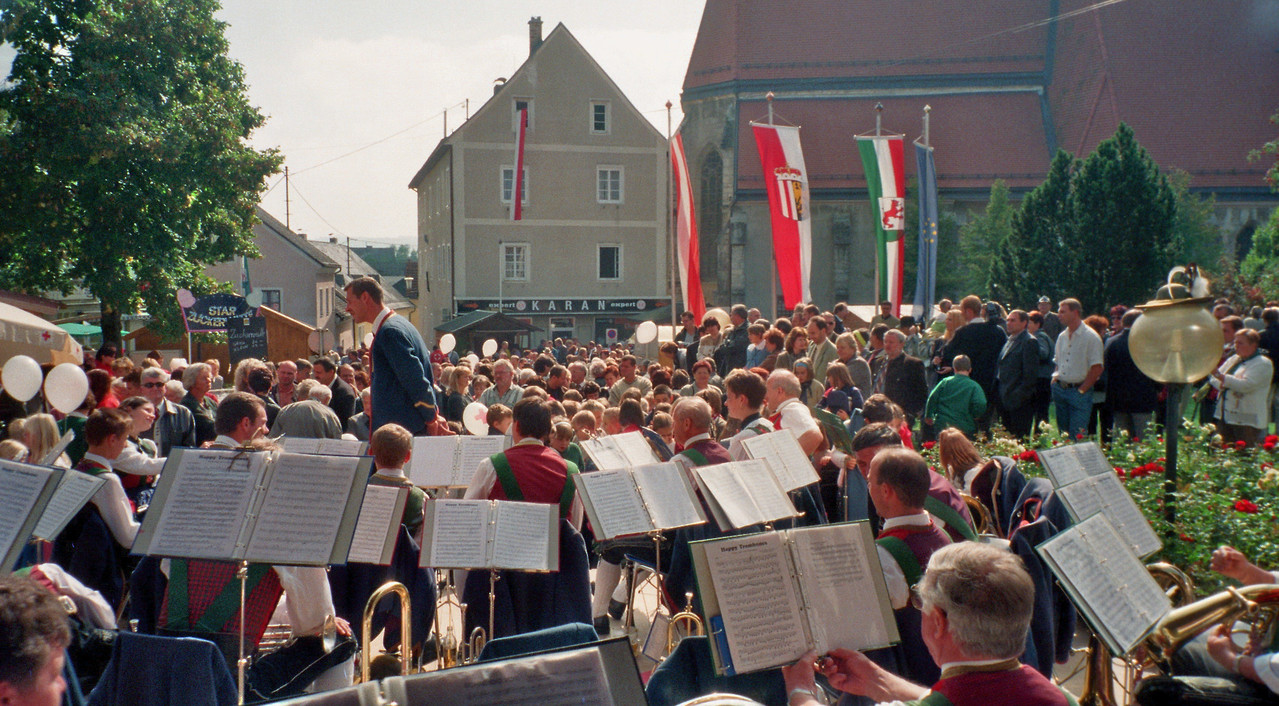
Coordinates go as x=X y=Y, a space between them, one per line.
x=22 y=333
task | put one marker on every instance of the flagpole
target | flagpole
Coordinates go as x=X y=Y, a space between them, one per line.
x=927 y=109
x=879 y=115
x=671 y=234
x=773 y=278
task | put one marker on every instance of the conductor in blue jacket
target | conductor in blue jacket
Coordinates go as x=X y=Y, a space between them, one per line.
x=401 y=364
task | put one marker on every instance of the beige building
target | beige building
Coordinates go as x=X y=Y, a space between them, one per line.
x=590 y=252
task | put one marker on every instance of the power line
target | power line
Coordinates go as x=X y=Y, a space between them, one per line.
x=378 y=142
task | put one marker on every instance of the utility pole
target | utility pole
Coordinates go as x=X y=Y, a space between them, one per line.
x=286 y=199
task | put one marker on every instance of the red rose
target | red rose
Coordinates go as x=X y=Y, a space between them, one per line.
x=1272 y=439
x=1240 y=444
x=929 y=444
x=1079 y=436
x=1187 y=538
x=1268 y=446
x=1119 y=471
x=1245 y=505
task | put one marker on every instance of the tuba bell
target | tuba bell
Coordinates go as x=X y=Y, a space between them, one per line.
x=1257 y=605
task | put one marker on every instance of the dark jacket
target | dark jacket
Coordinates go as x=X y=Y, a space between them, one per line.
x=403 y=389
x=1270 y=346
x=1018 y=371
x=343 y=402
x=731 y=354
x=981 y=342
x=904 y=383
x=203 y=413
x=174 y=426
x=1127 y=388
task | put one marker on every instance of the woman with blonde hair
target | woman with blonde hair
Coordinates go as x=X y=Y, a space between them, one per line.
x=936 y=371
x=459 y=382
x=959 y=458
x=40 y=435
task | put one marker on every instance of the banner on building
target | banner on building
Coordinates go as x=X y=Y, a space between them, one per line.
x=886 y=184
x=517 y=179
x=926 y=279
x=790 y=205
x=575 y=305
x=688 y=259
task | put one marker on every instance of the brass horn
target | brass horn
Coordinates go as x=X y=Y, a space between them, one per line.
x=450 y=651
x=686 y=620
x=981 y=515
x=1257 y=605
x=406 y=627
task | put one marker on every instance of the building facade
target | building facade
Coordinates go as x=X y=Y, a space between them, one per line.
x=590 y=251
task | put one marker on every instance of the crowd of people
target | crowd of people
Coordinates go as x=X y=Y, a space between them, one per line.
x=966 y=369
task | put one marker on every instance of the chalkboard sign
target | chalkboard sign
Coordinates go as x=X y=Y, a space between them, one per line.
x=212 y=312
x=246 y=338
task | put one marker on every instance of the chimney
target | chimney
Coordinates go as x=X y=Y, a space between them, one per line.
x=333 y=239
x=497 y=85
x=534 y=34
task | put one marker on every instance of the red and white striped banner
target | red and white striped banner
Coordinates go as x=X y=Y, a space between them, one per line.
x=517 y=179
x=886 y=187
x=786 y=181
x=690 y=275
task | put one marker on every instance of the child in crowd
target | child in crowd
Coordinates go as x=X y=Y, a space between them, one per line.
x=392 y=447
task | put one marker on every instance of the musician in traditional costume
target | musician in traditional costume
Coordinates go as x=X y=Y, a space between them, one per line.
x=744 y=397
x=975 y=601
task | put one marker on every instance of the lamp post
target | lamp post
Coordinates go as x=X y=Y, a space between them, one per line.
x=1176 y=342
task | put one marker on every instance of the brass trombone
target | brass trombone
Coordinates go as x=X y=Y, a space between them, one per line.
x=406 y=628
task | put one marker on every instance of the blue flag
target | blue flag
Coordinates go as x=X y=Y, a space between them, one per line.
x=926 y=272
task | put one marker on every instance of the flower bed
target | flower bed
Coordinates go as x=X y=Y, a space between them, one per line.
x=1226 y=494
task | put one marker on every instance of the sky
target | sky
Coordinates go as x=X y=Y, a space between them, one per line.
x=336 y=77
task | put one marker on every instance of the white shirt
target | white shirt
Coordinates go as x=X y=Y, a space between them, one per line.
x=114 y=505
x=135 y=462
x=796 y=418
x=1076 y=353
x=898 y=591
x=381 y=319
x=485 y=476
x=736 y=450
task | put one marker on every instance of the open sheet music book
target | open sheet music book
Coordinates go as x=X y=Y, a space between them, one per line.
x=1105 y=494
x=1072 y=463
x=642 y=499
x=785 y=457
x=620 y=451
x=1088 y=484
x=25 y=490
x=378 y=526
x=491 y=534
x=74 y=491
x=450 y=461
x=324 y=447
x=1107 y=582
x=768 y=598
x=743 y=493
x=52 y=457
x=269 y=508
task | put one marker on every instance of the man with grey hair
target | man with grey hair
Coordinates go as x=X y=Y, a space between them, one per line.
x=309 y=417
x=781 y=393
x=198 y=380
x=504 y=390
x=174 y=425
x=901 y=376
x=976 y=601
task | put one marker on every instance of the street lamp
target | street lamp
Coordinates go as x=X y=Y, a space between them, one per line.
x=1177 y=342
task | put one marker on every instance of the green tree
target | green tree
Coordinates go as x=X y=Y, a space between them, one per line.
x=1033 y=259
x=979 y=241
x=1263 y=258
x=1270 y=148
x=1121 y=245
x=1194 y=237
x=123 y=156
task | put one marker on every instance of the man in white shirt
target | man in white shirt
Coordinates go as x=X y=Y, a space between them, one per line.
x=782 y=396
x=1079 y=364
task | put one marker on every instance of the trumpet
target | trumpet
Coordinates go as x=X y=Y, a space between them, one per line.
x=686 y=620
x=366 y=629
x=449 y=650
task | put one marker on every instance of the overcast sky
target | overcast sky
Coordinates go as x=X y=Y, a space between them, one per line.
x=335 y=77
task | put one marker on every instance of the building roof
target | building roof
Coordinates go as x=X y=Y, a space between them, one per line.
x=1009 y=83
x=351 y=266
x=297 y=240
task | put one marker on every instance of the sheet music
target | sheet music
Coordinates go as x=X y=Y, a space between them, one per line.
x=618 y=507
x=20 y=488
x=523 y=535
x=785 y=458
x=836 y=563
x=668 y=495
x=302 y=511
x=52 y=457
x=567 y=679
x=207 y=499
x=1107 y=495
x=433 y=462
x=74 y=491
x=459 y=534
x=474 y=450
x=1072 y=463
x=377 y=524
x=605 y=453
x=323 y=447
x=758 y=601
x=1110 y=583
x=635 y=448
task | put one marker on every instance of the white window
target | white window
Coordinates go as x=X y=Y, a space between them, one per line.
x=271 y=298
x=508 y=184
x=599 y=117
x=608 y=184
x=515 y=262
x=516 y=106
x=610 y=262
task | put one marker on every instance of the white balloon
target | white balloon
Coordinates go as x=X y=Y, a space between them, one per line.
x=647 y=332
x=254 y=298
x=447 y=343
x=368 y=340
x=66 y=387
x=475 y=418
x=474 y=359
x=489 y=348
x=313 y=340
x=22 y=377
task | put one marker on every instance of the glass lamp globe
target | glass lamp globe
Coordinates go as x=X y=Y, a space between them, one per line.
x=1176 y=341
